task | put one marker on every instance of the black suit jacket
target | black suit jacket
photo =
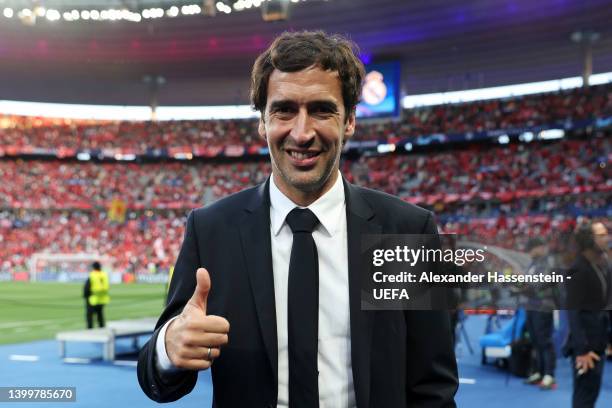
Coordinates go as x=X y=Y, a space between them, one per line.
x=586 y=299
x=399 y=358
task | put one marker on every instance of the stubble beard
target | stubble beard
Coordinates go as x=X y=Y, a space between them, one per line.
x=314 y=183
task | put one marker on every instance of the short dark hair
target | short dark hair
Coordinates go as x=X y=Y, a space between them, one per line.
x=584 y=237
x=96 y=266
x=295 y=51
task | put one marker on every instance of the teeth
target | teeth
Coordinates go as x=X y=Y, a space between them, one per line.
x=301 y=155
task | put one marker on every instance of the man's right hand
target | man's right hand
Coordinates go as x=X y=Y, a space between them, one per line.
x=192 y=333
x=586 y=362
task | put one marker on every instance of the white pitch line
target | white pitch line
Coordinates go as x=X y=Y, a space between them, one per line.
x=23 y=357
x=128 y=363
x=11 y=325
x=467 y=381
x=75 y=360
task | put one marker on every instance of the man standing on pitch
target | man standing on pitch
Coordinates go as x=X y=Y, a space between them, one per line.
x=96 y=295
x=279 y=263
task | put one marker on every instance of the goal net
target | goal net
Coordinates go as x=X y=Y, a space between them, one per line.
x=45 y=267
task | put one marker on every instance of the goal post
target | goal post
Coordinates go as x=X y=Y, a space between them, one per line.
x=65 y=267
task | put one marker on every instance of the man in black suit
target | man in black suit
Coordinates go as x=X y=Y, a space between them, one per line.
x=280 y=263
x=588 y=295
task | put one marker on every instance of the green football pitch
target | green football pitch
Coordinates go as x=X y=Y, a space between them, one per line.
x=35 y=311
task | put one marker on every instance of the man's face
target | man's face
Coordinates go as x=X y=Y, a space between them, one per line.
x=600 y=235
x=305 y=127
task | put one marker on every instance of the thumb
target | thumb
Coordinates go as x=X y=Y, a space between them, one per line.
x=200 y=294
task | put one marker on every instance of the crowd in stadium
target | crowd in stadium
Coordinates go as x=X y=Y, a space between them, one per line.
x=501 y=193
x=532 y=110
x=478 y=173
x=149 y=241
x=577 y=104
x=134 y=212
x=52 y=185
x=142 y=242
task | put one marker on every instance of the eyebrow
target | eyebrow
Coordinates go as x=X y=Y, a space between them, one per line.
x=312 y=105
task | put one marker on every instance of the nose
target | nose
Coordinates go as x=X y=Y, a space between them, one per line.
x=302 y=131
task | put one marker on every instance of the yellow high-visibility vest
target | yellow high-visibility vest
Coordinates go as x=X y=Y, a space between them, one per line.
x=99 y=286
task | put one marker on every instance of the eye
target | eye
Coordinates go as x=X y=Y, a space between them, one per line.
x=323 y=110
x=282 y=111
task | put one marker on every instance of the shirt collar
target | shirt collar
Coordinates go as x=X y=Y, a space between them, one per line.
x=328 y=208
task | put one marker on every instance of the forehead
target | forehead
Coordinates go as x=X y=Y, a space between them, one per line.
x=303 y=86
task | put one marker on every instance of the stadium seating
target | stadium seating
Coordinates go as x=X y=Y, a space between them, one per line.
x=140 y=137
x=134 y=212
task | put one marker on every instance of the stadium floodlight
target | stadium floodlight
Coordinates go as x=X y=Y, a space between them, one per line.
x=8 y=12
x=385 y=148
x=551 y=134
x=526 y=137
x=600 y=79
x=40 y=11
x=85 y=14
x=172 y=11
x=503 y=139
x=27 y=17
x=191 y=9
x=53 y=15
x=125 y=157
x=153 y=13
x=75 y=15
x=135 y=17
x=94 y=14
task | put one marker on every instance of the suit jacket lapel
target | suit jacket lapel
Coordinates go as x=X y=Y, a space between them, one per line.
x=256 y=246
x=360 y=220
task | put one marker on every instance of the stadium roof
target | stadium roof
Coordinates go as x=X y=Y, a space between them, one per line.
x=443 y=45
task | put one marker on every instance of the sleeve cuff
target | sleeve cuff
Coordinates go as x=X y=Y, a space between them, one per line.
x=162 y=361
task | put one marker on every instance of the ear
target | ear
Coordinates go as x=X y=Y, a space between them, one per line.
x=349 y=127
x=261 y=128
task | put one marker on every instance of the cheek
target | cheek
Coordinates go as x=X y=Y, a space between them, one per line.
x=275 y=131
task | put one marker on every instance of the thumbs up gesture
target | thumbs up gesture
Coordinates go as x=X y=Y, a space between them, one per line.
x=193 y=340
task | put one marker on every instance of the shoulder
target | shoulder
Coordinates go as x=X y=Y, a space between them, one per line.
x=391 y=210
x=225 y=210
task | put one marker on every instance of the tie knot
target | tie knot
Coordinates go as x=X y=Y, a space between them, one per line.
x=302 y=220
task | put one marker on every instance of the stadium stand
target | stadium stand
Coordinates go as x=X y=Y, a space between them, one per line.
x=23 y=134
x=134 y=212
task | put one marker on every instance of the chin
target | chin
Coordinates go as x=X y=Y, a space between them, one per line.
x=306 y=184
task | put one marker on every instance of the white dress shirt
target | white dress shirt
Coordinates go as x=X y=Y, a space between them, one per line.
x=330 y=236
x=334 y=359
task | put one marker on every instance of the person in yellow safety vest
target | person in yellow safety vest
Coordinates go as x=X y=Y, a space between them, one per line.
x=96 y=295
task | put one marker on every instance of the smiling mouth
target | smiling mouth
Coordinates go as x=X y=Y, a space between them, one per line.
x=302 y=155
x=303 y=158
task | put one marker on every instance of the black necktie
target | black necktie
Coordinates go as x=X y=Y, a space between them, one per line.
x=303 y=311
